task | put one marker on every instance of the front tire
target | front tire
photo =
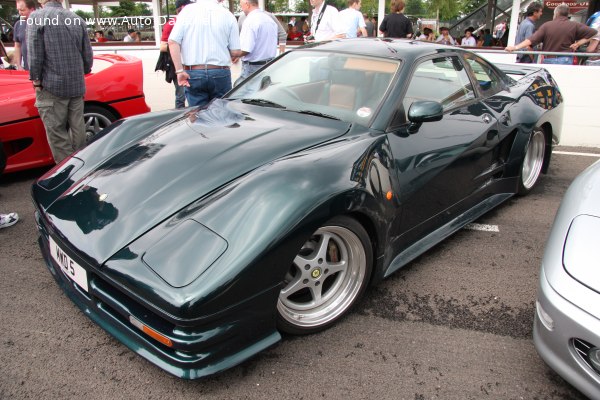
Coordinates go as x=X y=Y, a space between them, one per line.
x=533 y=162
x=326 y=278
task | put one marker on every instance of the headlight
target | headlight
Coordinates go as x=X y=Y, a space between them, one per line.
x=581 y=257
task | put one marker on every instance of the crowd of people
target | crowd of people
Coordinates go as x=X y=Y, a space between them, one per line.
x=561 y=35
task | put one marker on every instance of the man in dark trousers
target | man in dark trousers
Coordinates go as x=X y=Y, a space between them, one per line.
x=557 y=35
x=395 y=24
x=204 y=40
x=60 y=55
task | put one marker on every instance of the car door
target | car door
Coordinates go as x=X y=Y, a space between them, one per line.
x=440 y=164
x=494 y=93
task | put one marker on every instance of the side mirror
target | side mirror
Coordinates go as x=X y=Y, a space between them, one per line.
x=423 y=111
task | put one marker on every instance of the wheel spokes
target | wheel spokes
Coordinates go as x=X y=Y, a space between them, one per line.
x=324 y=279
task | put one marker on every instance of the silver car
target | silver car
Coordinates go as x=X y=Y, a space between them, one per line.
x=566 y=330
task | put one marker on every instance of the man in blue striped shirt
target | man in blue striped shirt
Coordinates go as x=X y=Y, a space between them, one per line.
x=203 y=43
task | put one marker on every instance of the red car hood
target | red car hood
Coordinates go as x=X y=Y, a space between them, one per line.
x=17 y=100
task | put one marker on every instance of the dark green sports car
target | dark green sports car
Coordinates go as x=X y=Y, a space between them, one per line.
x=198 y=237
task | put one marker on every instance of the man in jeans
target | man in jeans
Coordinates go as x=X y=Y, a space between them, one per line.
x=203 y=43
x=557 y=35
x=60 y=55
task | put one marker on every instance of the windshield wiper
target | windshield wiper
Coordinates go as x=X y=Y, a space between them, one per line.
x=315 y=113
x=262 y=102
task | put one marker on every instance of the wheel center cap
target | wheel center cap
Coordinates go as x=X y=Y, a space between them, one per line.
x=316 y=273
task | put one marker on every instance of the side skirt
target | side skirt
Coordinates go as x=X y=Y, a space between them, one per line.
x=435 y=237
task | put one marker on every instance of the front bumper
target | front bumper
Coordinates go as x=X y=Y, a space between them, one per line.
x=561 y=347
x=218 y=343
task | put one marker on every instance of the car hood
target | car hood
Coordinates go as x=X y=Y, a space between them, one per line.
x=150 y=179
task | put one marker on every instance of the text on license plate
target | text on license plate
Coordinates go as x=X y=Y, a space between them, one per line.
x=73 y=270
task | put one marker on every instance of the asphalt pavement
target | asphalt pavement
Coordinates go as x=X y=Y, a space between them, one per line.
x=454 y=324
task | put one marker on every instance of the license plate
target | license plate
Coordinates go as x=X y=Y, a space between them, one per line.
x=70 y=268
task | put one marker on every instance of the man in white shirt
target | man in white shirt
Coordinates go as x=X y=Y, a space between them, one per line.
x=281 y=33
x=203 y=43
x=131 y=36
x=258 y=38
x=468 y=40
x=352 y=19
x=325 y=23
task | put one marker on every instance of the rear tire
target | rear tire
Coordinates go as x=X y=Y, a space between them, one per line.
x=533 y=162
x=326 y=278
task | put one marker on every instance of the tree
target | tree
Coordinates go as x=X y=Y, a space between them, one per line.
x=86 y=15
x=303 y=6
x=124 y=9
x=369 y=7
x=416 y=8
x=277 y=6
x=448 y=9
x=471 y=5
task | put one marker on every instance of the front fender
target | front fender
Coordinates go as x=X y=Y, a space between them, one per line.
x=264 y=217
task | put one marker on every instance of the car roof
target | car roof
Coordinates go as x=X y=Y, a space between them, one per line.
x=401 y=49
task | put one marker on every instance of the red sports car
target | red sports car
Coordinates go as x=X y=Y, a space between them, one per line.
x=114 y=90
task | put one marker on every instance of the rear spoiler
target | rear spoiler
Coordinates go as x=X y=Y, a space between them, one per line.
x=518 y=69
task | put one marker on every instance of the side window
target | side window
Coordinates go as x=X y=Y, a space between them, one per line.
x=440 y=79
x=489 y=81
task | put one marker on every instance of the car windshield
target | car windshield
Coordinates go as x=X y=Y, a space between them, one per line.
x=331 y=85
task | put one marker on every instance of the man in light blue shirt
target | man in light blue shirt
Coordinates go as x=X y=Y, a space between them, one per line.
x=527 y=28
x=353 y=20
x=203 y=43
x=258 y=38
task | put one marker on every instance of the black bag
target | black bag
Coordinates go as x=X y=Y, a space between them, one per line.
x=165 y=63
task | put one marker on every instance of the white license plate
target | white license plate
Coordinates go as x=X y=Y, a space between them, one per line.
x=70 y=268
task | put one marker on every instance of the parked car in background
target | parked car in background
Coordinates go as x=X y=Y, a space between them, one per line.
x=114 y=90
x=197 y=237
x=566 y=331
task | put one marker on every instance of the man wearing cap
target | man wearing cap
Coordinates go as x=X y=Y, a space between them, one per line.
x=203 y=43
x=258 y=38
x=527 y=28
x=179 y=90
